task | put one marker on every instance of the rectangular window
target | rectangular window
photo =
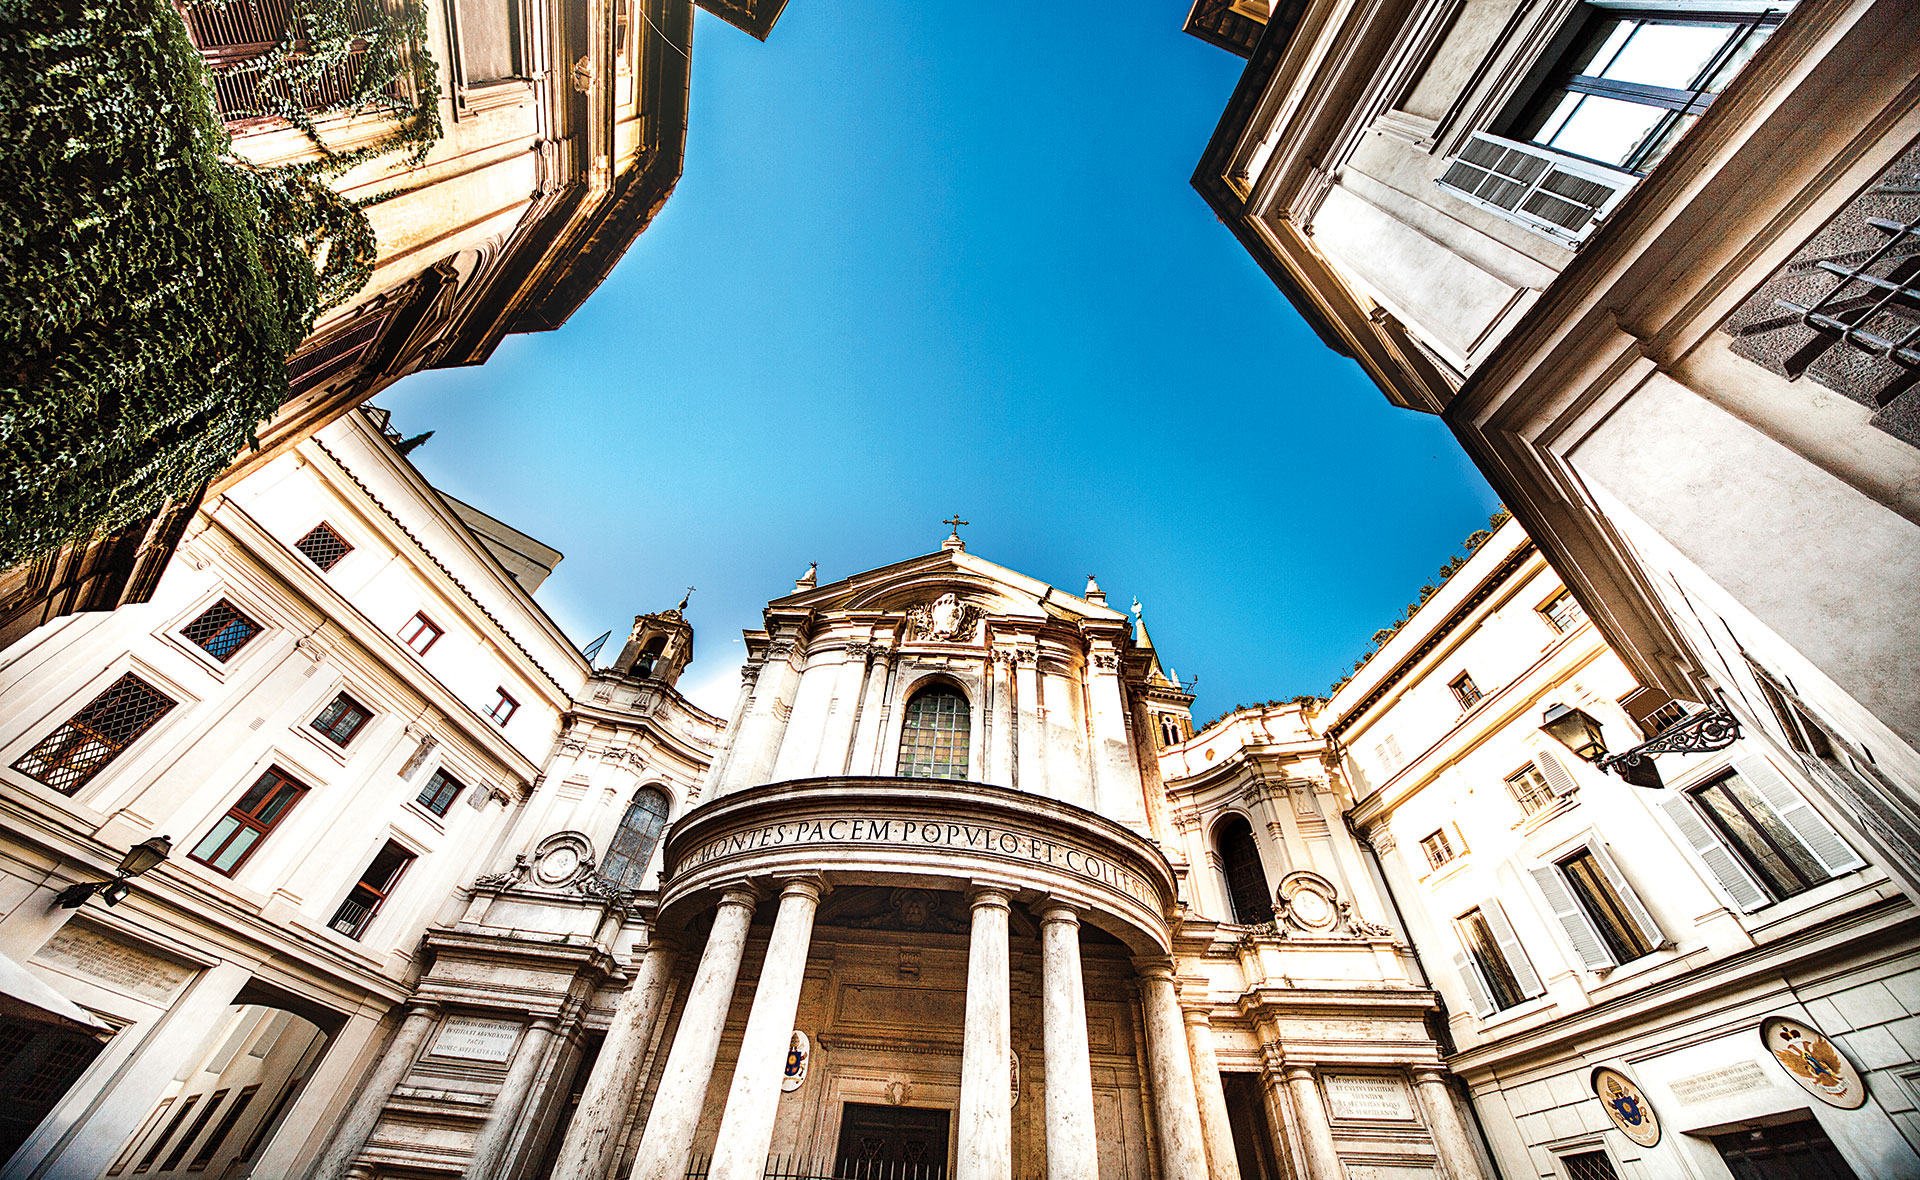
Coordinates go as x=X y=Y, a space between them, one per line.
x=133 y=1145
x=1529 y=788
x=323 y=547
x=239 y=832
x=179 y=1151
x=1760 y=838
x=1438 y=848
x=1387 y=752
x=371 y=892
x=1605 y=907
x=153 y=1153
x=1563 y=612
x=1465 y=690
x=1491 y=964
x=1588 y=1165
x=488 y=34
x=70 y=756
x=503 y=707
x=221 y=630
x=419 y=634
x=440 y=792
x=342 y=719
x=1653 y=711
x=211 y=1147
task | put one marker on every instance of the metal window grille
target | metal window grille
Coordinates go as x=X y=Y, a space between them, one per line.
x=1246 y=879
x=1589 y=1165
x=221 y=630
x=237 y=40
x=1529 y=788
x=1465 y=691
x=70 y=756
x=1540 y=189
x=933 y=741
x=371 y=891
x=1844 y=312
x=323 y=546
x=782 y=1167
x=440 y=792
x=341 y=719
x=1438 y=848
x=13 y=1039
x=631 y=849
x=56 y=1070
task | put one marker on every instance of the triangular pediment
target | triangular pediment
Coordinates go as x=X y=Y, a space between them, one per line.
x=994 y=589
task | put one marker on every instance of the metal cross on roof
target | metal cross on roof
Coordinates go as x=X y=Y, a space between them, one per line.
x=956 y=522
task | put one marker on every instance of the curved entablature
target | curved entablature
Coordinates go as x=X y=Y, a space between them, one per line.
x=926 y=834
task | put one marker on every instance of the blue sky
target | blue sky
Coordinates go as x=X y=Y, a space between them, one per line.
x=934 y=258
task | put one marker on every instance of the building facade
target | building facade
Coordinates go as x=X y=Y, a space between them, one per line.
x=1650 y=263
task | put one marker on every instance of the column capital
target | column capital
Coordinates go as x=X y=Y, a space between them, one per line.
x=1056 y=909
x=812 y=886
x=1156 y=967
x=1427 y=1074
x=427 y=1009
x=547 y=1023
x=1197 y=1015
x=1296 y=1073
x=989 y=895
x=742 y=893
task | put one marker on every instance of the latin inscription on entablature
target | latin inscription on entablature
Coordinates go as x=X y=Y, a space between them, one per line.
x=879 y=1006
x=924 y=834
x=1368 y=1096
x=475 y=1038
x=114 y=964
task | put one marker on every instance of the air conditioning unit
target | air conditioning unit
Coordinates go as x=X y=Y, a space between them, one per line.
x=1547 y=192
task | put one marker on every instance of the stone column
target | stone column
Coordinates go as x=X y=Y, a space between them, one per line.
x=746 y=1129
x=1443 y=1119
x=350 y=1134
x=1182 y=1148
x=683 y=1085
x=593 y=1133
x=496 y=1137
x=1072 y=1147
x=986 y=1079
x=1214 y=1127
x=836 y=739
x=1323 y=1159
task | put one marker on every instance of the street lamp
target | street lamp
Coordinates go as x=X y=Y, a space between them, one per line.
x=138 y=859
x=1575 y=730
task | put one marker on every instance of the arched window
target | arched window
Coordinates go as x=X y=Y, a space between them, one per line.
x=1246 y=880
x=632 y=847
x=933 y=742
x=1170 y=734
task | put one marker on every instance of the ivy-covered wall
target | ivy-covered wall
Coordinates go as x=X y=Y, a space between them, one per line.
x=154 y=284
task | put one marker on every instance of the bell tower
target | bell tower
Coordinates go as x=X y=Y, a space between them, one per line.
x=659 y=647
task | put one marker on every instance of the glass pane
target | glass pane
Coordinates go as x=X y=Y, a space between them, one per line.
x=1607 y=40
x=1770 y=822
x=1501 y=982
x=1760 y=856
x=221 y=831
x=1750 y=41
x=1606 y=129
x=487 y=41
x=231 y=854
x=1665 y=54
x=1596 y=896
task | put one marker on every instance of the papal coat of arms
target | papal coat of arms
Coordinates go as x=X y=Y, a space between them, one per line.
x=1814 y=1062
x=1626 y=1106
x=945 y=620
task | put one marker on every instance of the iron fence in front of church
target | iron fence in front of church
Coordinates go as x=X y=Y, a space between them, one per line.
x=784 y=1167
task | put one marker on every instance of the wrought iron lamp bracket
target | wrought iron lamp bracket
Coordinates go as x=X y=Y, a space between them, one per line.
x=1713 y=728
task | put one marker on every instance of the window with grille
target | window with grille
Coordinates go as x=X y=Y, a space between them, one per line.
x=503 y=707
x=237 y=41
x=1438 y=848
x=221 y=630
x=1563 y=612
x=631 y=849
x=231 y=841
x=69 y=757
x=1465 y=690
x=1491 y=963
x=1758 y=836
x=419 y=633
x=368 y=894
x=153 y=1153
x=342 y=719
x=323 y=547
x=57 y=1070
x=440 y=792
x=1529 y=788
x=1246 y=880
x=222 y=1130
x=933 y=740
x=1588 y=1165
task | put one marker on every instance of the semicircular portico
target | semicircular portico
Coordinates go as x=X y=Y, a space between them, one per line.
x=921 y=833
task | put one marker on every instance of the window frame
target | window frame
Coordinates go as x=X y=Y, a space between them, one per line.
x=1501 y=944
x=1532 y=772
x=347 y=703
x=1465 y=692
x=435 y=785
x=470 y=96
x=1445 y=844
x=504 y=700
x=85 y=733
x=1596 y=947
x=380 y=894
x=346 y=546
x=1237 y=872
x=249 y=821
x=419 y=624
x=1546 y=611
x=636 y=859
x=907 y=755
x=1727 y=859
x=239 y=617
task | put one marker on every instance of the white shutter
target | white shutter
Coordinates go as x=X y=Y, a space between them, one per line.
x=1538 y=188
x=1642 y=916
x=1559 y=779
x=1581 y=933
x=1725 y=865
x=1812 y=829
x=1510 y=949
x=1476 y=988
